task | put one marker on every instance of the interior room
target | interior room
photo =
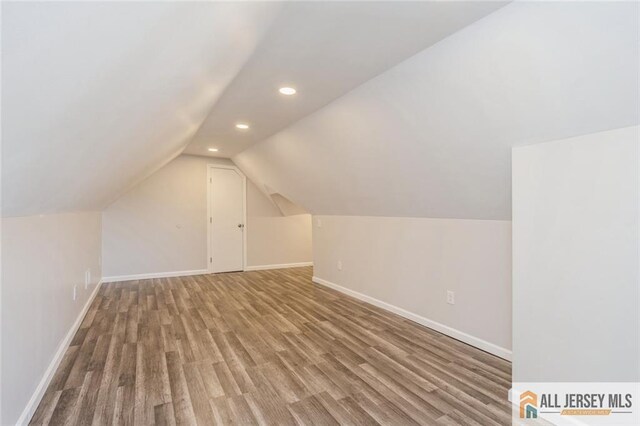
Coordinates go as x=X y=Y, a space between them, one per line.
x=320 y=212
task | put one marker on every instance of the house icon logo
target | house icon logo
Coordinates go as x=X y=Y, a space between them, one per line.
x=528 y=405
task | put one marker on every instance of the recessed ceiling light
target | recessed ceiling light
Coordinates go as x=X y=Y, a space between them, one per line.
x=213 y=149
x=242 y=126
x=287 y=91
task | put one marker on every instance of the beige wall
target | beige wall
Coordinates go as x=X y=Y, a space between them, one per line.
x=410 y=263
x=273 y=238
x=160 y=226
x=43 y=258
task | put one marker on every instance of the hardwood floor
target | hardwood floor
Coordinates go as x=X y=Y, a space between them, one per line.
x=265 y=347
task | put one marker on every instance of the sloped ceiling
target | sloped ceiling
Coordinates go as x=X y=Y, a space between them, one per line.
x=432 y=136
x=96 y=95
x=324 y=49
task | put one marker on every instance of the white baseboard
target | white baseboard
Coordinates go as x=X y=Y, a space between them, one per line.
x=280 y=266
x=444 y=329
x=118 y=278
x=35 y=399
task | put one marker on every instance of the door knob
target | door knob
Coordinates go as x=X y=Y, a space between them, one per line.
x=241 y=225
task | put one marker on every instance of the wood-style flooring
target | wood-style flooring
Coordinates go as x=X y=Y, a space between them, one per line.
x=267 y=347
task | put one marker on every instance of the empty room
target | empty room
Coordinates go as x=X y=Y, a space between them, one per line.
x=320 y=213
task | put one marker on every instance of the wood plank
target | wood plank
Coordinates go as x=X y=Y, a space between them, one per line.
x=264 y=347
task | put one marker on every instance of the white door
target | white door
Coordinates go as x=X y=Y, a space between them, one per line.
x=226 y=239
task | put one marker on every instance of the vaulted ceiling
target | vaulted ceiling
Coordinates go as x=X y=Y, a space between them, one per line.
x=432 y=136
x=403 y=109
x=323 y=49
x=98 y=95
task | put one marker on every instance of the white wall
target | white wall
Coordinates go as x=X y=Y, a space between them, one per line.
x=160 y=226
x=575 y=259
x=412 y=262
x=43 y=257
x=432 y=137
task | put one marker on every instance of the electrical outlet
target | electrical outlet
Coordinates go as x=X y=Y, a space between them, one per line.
x=87 y=278
x=451 y=297
x=75 y=291
x=339 y=265
x=318 y=222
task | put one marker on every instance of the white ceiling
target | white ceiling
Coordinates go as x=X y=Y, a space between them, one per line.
x=432 y=137
x=97 y=95
x=323 y=49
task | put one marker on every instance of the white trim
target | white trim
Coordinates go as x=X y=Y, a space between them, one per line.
x=35 y=399
x=278 y=266
x=118 y=278
x=444 y=329
x=244 y=214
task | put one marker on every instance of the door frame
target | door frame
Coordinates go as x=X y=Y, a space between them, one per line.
x=210 y=167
